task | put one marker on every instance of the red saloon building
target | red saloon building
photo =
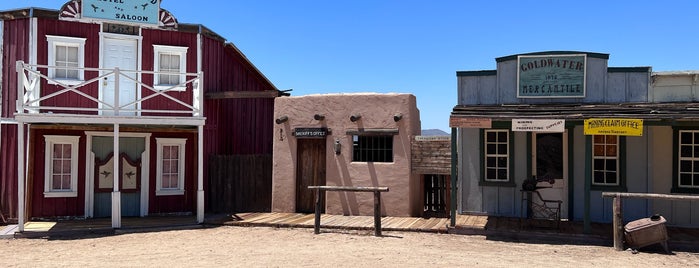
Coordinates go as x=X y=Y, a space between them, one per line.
x=86 y=94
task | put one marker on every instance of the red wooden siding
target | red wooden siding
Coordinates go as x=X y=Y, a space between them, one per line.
x=167 y=38
x=15 y=47
x=244 y=126
x=175 y=203
x=54 y=206
x=69 y=29
x=8 y=170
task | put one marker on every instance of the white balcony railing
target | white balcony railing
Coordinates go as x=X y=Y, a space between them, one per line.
x=30 y=99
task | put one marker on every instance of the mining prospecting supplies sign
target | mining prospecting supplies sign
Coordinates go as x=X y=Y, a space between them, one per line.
x=614 y=126
x=551 y=76
x=538 y=125
x=135 y=11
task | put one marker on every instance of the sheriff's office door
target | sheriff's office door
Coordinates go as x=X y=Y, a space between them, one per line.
x=550 y=162
x=121 y=53
x=310 y=171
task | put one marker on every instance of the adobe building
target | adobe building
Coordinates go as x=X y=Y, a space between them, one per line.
x=580 y=128
x=361 y=139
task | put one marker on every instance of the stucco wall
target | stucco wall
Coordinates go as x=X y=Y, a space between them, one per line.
x=377 y=110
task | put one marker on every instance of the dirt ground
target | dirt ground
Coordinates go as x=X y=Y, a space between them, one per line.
x=268 y=247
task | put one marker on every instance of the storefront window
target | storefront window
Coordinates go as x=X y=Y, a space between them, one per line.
x=497 y=155
x=605 y=160
x=688 y=166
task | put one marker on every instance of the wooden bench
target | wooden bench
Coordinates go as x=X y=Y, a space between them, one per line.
x=377 y=202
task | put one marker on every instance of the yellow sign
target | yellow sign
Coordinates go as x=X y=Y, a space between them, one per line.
x=614 y=126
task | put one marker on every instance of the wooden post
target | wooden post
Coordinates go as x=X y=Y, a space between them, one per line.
x=454 y=177
x=316 y=226
x=377 y=213
x=618 y=224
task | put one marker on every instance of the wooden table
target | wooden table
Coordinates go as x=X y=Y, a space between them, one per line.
x=377 y=202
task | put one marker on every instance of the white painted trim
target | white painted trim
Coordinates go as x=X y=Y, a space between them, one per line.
x=50 y=141
x=33 y=51
x=67 y=41
x=172 y=50
x=181 y=143
x=145 y=169
x=94 y=119
x=200 y=174
x=197 y=93
x=20 y=178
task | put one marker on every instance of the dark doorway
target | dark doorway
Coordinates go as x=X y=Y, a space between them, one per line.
x=310 y=170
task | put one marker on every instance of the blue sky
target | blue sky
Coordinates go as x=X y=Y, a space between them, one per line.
x=417 y=46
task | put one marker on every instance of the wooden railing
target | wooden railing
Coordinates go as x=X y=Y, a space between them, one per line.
x=377 y=203
x=29 y=97
x=618 y=217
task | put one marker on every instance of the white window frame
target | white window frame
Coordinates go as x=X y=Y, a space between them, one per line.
x=174 y=50
x=161 y=142
x=78 y=42
x=496 y=155
x=605 y=158
x=51 y=140
x=693 y=159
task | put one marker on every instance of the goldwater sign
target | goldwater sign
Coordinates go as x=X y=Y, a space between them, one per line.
x=138 y=11
x=614 y=126
x=551 y=76
x=538 y=125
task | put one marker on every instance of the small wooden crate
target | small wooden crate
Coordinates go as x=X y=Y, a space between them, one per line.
x=647 y=231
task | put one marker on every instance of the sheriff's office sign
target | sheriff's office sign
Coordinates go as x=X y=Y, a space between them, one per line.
x=614 y=126
x=551 y=76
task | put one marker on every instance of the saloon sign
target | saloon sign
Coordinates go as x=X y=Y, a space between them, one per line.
x=137 y=11
x=551 y=76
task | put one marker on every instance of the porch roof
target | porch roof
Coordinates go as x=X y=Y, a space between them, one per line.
x=580 y=111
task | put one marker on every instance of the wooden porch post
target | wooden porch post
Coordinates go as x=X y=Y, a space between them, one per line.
x=200 y=175
x=587 y=228
x=618 y=223
x=454 y=164
x=20 y=177
x=116 y=194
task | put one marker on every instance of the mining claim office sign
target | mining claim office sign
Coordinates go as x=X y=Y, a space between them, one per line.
x=551 y=76
x=137 y=11
x=613 y=126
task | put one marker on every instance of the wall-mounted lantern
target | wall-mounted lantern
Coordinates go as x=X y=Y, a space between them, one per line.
x=281 y=119
x=397 y=117
x=355 y=117
x=319 y=117
x=337 y=146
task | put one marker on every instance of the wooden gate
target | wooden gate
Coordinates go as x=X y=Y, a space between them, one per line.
x=240 y=183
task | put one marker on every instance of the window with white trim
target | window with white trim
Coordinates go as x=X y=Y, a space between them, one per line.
x=66 y=56
x=605 y=160
x=688 y=167
x=61 y=166
x=170 y=166
x=170 y=64
x=497 y=155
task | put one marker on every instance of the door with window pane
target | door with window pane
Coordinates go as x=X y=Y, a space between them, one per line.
x=550 y=163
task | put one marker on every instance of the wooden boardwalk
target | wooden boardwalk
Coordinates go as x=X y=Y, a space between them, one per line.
x=327 y=221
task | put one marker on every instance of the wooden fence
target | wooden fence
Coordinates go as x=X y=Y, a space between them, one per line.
x=240 y=183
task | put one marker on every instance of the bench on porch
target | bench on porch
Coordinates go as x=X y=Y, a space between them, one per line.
x=377 y=203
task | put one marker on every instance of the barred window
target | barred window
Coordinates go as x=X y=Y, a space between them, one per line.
x=605 y=160
x=374 y=148
x=497 y=159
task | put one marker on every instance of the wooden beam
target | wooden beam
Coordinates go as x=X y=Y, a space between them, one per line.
x=242 y=94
